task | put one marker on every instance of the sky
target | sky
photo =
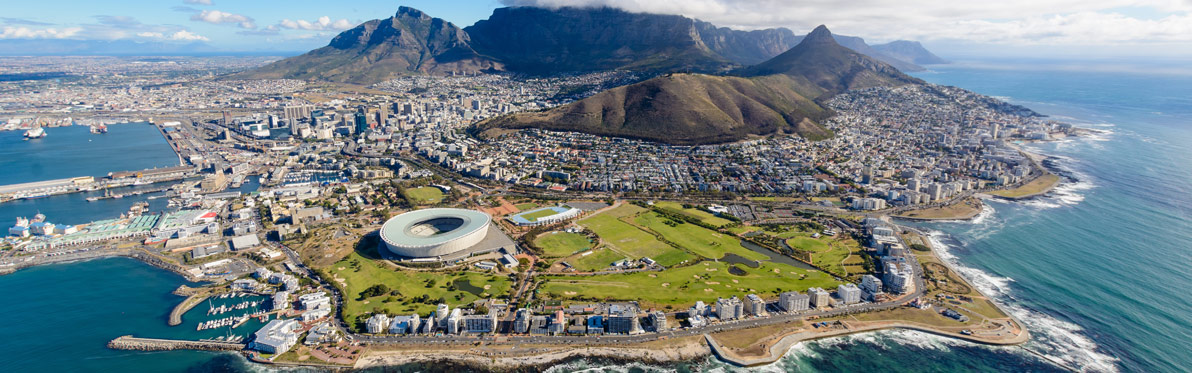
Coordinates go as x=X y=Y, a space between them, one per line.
x=1097 y=28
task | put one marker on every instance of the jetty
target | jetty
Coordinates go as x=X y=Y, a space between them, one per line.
x=129 y=342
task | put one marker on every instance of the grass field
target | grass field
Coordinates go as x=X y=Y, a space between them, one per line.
x=1039 y=185
x=534 y=216
x=357 y=273
x=526 y=206
x=776 y=199
x=968 y=208
x=702 y=215
x=561 y=244
x=806 y=243
x=680 y=287
x=699 y=240
x=425 y=195
x=597 y=260
x=630 y=240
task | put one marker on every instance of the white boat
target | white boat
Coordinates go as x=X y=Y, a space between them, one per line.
x=35 y=133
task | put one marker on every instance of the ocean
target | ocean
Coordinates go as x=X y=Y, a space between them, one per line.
x=1098 y=269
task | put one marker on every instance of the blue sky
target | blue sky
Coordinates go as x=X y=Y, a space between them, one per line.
x=996 y=28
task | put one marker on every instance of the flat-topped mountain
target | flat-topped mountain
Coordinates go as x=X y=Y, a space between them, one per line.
x=781 y=95
x=540 y=41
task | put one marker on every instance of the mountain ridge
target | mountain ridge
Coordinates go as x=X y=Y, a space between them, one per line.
x=539 y=41
x=781 y=95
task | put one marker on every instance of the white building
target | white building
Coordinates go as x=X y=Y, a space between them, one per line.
x=276 y=337
x=819 y=297
x=377 y=324
x=729 y=308
x=848 y=293
x=793 y=301
x=871 y=285
x=314 y=300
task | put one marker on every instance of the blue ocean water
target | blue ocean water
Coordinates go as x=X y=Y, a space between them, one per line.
x=73 y=151
x=1098 y=269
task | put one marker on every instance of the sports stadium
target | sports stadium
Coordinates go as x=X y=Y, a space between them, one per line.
x=440 y=234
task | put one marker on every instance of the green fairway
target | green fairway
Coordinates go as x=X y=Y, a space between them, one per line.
x=681 y=287
x=356 y=273
x=597 y=260
x=560 y=244
x=806 y=243
x=699 y=240
x=630 y=240
x=702 y=215
x=534 y=216
x=425 y=195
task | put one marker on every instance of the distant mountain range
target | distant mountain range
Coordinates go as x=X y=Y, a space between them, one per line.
x=780 y=95
x=547 y=41
x=66 y=47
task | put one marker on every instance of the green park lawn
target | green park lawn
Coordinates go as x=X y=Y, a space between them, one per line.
x=806 y=243
x=559 y=244
x=702 y=215
x=425 y=195
x=356 y=273
x=699 y=240
x=630 y=240
x=681 y=287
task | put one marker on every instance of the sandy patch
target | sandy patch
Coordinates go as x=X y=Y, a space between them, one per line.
x=653 y=275
x=665 y=284
x=569 y=293
x=711 y=283
x=711 y=269
x=735 y=281
x=486 y=287
x=707 y=290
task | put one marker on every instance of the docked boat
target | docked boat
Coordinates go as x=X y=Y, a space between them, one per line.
x=99 y=129
x=35 y=133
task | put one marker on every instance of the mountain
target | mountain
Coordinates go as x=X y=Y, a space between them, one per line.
x=781 y=95
x=540 y=41
x=410 y=42
x=546 y=41
x=829 y=66
x=858 y=44
x=910 y=51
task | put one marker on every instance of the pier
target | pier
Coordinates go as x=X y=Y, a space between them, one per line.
x=129 y=342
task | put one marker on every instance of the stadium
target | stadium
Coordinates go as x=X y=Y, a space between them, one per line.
x=545 y=215
x=440 y=234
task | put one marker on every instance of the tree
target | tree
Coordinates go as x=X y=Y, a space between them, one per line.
x=374 y=291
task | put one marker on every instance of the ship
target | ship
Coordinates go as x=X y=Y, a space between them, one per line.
x=35 y=133
x=99 y=129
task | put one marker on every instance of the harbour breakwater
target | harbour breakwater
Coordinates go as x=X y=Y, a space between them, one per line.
x=129 y=342
x=99 y=253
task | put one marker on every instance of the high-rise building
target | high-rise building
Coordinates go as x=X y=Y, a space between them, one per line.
x=522 y=323
x=792 y=301
x=624 y=322
x=361 y=123
x=848 y=293
x=755 y=305
x=729 y=308
x=658 y=321
x=871 y=285
x=819 y=297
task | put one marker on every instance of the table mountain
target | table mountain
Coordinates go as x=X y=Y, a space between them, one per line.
x=540 y=41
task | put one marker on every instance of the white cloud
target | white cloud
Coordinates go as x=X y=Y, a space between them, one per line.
x=198 y=2
x=180 y=35
x=218 y=17
x=324 y=23
x=9 y=32
x=184 y=35
x=1051 y=22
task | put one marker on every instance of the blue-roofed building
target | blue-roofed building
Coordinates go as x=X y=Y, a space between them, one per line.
x=596 y=324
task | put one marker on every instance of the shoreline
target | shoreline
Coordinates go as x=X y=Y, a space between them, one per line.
x=136 y=254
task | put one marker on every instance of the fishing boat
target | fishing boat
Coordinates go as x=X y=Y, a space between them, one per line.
x=35 y=133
